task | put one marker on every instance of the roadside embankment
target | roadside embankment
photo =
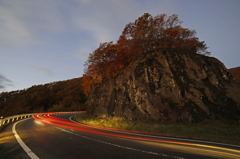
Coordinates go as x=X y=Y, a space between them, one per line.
x=218 y=131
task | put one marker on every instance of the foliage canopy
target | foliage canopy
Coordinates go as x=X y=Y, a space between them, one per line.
x=57 y=96
x=148 y=33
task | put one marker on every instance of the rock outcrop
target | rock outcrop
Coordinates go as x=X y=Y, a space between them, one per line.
x=235 y=72
x=169 y=86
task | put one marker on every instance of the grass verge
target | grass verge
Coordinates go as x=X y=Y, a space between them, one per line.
x=218 y=131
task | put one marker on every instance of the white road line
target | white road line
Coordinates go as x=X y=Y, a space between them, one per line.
x=159 y=137
x=124 y=147
x=22 y=144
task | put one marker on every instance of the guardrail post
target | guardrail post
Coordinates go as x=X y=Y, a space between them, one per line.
x=1 y=121
x=9 y=119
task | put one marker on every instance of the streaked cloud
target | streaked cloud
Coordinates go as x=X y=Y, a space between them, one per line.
x=4 y=82
x=83 y=53
x=43 y=70
x=27 y=22
x=105 y=20
x=21 y=22
x=60 y=34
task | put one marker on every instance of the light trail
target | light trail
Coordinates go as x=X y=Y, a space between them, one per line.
x=209 y=150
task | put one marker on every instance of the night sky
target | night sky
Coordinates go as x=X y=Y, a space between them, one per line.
x=43 y=41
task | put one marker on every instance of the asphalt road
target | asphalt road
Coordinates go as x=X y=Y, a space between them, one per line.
x=57 y=137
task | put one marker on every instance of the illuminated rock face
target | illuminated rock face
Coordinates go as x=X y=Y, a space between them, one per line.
x=169 y=86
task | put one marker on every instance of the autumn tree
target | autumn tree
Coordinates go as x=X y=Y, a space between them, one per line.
x=160 y=32
x=146 y=34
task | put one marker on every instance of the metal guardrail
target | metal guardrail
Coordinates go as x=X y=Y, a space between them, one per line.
x=9 y=119
x=6 y=120
x=68 y=112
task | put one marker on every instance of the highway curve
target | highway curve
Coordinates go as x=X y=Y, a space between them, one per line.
x=55 y=136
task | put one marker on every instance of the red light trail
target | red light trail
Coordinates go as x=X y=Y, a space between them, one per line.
x=64 y=123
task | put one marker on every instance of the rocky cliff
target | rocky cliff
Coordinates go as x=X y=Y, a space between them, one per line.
x=169 y=86
x=235 y=72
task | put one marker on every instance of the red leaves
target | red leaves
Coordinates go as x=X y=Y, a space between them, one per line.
x=146 y=34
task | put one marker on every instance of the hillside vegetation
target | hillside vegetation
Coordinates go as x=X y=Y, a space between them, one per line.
x=56 y=96
x=220 y=131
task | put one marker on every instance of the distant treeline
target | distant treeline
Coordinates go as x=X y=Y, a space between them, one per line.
x=57 y=96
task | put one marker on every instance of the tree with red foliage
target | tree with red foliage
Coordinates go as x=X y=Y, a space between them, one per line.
x=146 y=34
x=160 y=32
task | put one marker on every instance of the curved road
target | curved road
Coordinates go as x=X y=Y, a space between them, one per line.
x=50 y=136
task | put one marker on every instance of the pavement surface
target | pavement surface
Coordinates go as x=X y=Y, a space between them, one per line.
x=53 y=136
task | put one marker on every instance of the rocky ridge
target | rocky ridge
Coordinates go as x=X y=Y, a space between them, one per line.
x=169 y=86
x=235 y=72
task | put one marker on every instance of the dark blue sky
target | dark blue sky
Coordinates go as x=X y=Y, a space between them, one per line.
x=49 y=40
